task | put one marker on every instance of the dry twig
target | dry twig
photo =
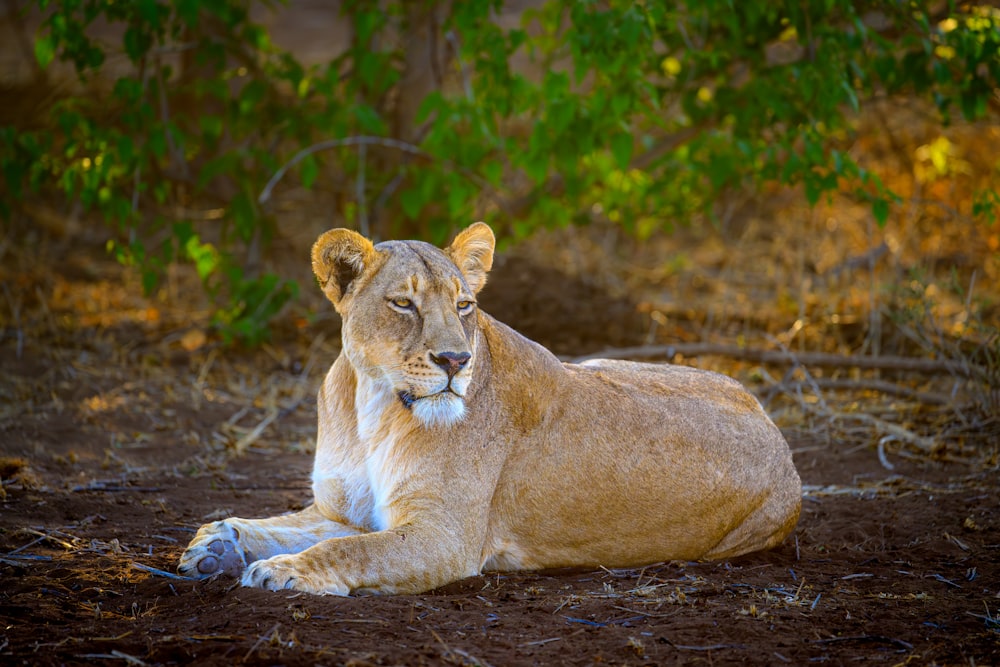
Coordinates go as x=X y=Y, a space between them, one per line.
x=161 y=573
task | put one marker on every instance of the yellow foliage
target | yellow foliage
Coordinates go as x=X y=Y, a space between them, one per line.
x=671 y=66
x=947 y=25
x=944 y=52
x=937 y=159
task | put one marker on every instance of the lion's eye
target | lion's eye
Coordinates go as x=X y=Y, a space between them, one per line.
x=465 y=306
x=402 y=303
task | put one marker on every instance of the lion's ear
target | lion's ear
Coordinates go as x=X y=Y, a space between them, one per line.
x=339 y=257
x=472 y=252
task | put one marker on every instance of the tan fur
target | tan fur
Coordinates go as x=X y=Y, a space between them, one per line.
x=526 y=463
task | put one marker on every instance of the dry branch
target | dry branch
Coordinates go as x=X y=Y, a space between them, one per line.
x=866 y=638
x=864 y=384
x=709 y=647
x=244 y=443
x=161 y=573
x=827 y=360
x=267 y=637
x=114 y=655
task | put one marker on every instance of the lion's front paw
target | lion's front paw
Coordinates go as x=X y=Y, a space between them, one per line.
x=284 y=572
x=214 y=550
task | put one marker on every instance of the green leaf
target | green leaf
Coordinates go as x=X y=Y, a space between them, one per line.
x=187 y=10
x=251 y=96
x=157 y=142
x=365 y=25
x=880 y=209
x=620 y=105
x=559 y=116
x=45 y=50
x=211 y=127
x=621 y=148
x=204 y=256
x=150 y=279
x=309 y=170
x=136 y=43
x=148 y=10
x=244 y=215
x=459 y=194
x=369 y=119
x=721 y=169
x=183 y=231
x=973 y=105
x=536 y=166
x=852 y=95
x=813 y=188
x=434 y=101
x=225 y=164
x=369 y=68
x=412 y=202
x=493 y=171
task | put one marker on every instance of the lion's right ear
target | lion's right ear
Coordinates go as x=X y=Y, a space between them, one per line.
x=339 y=257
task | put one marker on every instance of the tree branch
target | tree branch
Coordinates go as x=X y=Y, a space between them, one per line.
x=365 y=140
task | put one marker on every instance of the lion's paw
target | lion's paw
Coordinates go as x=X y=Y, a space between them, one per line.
x=284 y=573
x=214 y=550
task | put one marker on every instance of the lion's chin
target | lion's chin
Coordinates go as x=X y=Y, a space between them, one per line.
x=441 y=409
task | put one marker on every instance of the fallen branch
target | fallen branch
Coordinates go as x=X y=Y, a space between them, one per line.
x=268 y=637
x=542 y=642
x=114 y=655
x=894 y=431
x=161 y=573
x=251 y=437
x=864 y=384
x=709 y=647
x=101 y=487
x=866 y=638
x=46 y=536
x=823 y=359
x=926 y=445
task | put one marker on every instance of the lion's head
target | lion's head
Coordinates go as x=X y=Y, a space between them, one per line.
x=409 y=312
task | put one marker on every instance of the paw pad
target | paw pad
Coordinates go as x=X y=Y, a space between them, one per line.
x=207 y=557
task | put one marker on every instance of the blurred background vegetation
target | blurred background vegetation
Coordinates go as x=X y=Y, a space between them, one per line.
x=192 y=134
x=800 y=194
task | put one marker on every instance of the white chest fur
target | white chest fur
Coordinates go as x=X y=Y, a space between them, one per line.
x=342 y=483
x=377 y=441
x=359 y=472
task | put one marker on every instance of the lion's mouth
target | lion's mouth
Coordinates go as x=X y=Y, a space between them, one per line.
x=408 y=399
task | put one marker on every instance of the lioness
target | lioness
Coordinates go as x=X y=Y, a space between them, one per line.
x=449 y=444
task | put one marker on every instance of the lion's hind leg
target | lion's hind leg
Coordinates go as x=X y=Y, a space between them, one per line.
x=230 y=545
x=766 y=526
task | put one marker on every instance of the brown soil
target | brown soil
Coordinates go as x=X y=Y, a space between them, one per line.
x=887 y=569
x=120 y=437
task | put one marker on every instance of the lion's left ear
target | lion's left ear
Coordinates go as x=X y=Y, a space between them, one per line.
x=472 y=252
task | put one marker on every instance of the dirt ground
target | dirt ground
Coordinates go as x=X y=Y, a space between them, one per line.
x=120 y=437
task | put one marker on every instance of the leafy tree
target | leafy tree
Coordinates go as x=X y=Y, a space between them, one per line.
x=640 y=113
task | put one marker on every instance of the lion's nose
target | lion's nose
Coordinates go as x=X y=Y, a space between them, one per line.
x=451 y=362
